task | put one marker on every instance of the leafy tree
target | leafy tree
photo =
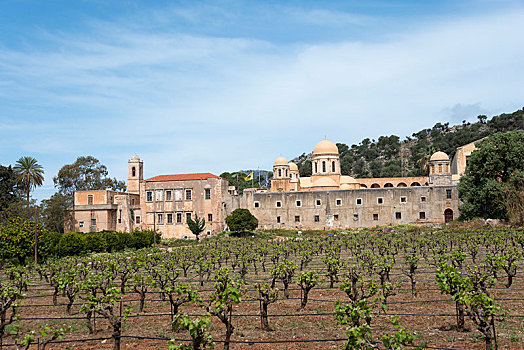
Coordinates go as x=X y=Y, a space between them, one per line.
x=8 y=188
x=196 y=225
x=241 y=220
x=55 y=211
x=85 y=174
x=29 y=174
x=494 y=177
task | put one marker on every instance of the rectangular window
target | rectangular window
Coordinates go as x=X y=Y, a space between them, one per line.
x=257 y=204
x=317 y=218
x=297 y=218
x=448 y=194
x=279 y=204
x=81 y=224
x=188 y=216
x=375 y=217
x=359 y=201
x=149 y=196
x=335 y=217
x=209 y=217
x=160 y=219
x=423 y=198
x=319 y=202
x=132 y=201
x=398 y=215
x=137 y=219
x=169 y=218
x=179 y=217
x=380 y=200
x=93 y=222
x=188 y=195
x=299 y=203
x=422 y=215
x=90 y=199
x=339 y=202
x=158 y=195
x=403 y=199
x=168 y=195
x=355 y=217
x=278 y=219
x=207 y=193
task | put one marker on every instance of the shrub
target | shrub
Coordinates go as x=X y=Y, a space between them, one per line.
x=71 y=243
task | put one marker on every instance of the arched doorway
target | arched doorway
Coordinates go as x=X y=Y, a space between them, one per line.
x=448 y=215
x=375 y=186
x=388 y=185
x=402 y=184
x=413 y=184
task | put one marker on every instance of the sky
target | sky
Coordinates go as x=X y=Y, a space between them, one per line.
x=214 y=86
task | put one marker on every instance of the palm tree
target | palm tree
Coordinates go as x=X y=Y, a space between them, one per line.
x=29 y=174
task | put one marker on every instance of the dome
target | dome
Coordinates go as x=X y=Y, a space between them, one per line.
x=135 y=158
x=281 y=161
x=345 y=187
x=439 y=156
x=325 y=182
x=344 y=179
x=325 y=147
x=293 y=167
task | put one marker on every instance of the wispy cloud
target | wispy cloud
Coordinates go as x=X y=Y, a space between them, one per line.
x=190 y=101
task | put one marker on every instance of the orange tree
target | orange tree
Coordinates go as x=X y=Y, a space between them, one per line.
x=17 y=239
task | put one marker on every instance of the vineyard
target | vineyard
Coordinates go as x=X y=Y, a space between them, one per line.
x=451 y=288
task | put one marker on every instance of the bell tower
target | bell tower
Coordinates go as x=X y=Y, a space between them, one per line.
x=135 y=174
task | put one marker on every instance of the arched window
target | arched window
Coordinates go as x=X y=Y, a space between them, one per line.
x=286 y=172
x=440 y=168
x=279 y=172
x=333 y=166
x=432 y=169
x=316 y=170
x=133 y=171
x=323 y=166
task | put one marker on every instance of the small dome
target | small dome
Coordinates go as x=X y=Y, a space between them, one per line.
x=439 y=156
x=281 y=161
x=325 y=147
x=293 y=166
x=325 y=181
x=345 y=186
x=135 y=158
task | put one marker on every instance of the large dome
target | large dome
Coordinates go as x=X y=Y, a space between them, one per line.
x=439 y=156
x=325 y=147
x=281 y=161
x=324 y=181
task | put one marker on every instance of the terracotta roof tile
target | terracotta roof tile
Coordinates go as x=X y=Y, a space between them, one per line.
x=183 y=177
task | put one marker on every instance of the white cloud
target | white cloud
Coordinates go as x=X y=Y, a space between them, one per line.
x=189 y=103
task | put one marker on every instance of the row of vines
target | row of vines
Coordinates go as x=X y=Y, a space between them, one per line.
x=206 y=293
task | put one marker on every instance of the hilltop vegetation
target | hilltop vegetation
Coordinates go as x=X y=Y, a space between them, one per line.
x=388 y=156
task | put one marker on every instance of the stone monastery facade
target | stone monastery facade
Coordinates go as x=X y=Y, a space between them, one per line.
x=325 y=200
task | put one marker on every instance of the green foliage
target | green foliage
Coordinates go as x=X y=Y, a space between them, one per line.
x=85 y=174
x=29 y=174
x=388 y=156
x=17 y=239
x=55 y=211
x=238 y=179
x=197 y=329
x=494 y=176
x=241 y=220
x=8 y=187
x=196 y=225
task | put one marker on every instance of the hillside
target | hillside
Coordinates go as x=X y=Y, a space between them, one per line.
x=390 y=157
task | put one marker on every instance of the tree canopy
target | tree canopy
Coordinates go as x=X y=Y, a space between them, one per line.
x=86 y=173
x=493 y=185
x=29 y=174
x=196 y=225
x=8 y=187
x=241 y=220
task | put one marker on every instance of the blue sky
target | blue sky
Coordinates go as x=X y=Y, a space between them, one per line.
x=220 y=86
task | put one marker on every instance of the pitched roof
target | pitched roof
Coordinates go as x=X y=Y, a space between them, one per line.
x=183 y=177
